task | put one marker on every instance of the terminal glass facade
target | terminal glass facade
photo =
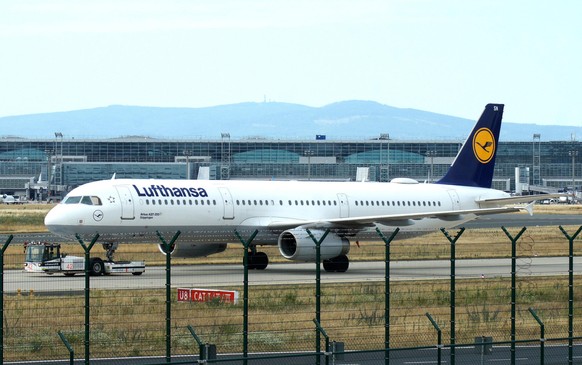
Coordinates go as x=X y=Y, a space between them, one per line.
x=67 y=163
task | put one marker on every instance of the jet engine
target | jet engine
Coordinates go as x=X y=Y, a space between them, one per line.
x=296 y=245
x=194 y=249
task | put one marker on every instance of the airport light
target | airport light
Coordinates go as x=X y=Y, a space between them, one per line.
x=432 y=155
x=573 y=154
x=308 y=153
x=48 y=172
x=187 y=153
x=386 y=167
x=58 y=156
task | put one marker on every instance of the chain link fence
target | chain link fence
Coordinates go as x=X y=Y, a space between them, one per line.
x=367 y=315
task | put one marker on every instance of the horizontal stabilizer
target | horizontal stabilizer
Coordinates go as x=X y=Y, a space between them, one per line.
x=518 y=199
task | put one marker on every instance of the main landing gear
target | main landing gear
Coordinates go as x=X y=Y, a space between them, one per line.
x=257 y=260
x=340 y=263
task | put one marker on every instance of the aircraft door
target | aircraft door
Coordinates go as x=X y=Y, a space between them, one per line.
x=343 y=205
x=227 y=203
x=454 y=199
x=127 y=208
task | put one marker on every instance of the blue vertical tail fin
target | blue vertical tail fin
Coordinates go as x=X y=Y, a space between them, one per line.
x=475 y=162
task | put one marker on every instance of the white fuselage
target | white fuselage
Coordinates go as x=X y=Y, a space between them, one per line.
x=212 y=210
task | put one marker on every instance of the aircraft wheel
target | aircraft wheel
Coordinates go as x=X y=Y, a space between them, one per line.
x=261 y=261
x=337 y=264
x=97 y=268
x=258 y=261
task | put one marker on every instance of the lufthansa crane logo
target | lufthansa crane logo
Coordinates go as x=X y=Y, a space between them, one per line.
x=484 y=145
x=97 y=215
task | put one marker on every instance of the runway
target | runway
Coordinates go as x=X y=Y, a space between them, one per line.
x=214 y=276
x=228 y=276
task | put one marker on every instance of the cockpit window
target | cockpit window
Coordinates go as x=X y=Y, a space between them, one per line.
x=72 y=200
x=87 y=200
x=96 y=200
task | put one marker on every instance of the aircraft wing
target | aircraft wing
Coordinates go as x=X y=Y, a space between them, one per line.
x=396 y=220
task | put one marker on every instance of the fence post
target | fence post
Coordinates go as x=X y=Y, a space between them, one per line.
x=320 y=329
x=87 y=250
x=542 y=334
x=168 y=250
x=439 y=337
x=571 y=292
x=453 y=241
x=4 y=247
x=387 y=242
x=318 y=287
x=198 y=341
x=68 y=346
x=513 y=289
x=246 y=244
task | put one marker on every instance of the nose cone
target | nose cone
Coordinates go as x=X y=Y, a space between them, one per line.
x=54 y=220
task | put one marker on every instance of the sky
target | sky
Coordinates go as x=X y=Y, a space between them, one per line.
x=447 y=56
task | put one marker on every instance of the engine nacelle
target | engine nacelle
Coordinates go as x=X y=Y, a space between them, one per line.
x=189 y=249
x=296 y=245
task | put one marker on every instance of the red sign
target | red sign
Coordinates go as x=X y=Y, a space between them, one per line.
x=207 y=295
x=183 y=295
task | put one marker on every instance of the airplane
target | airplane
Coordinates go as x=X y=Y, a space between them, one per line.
x=209 y=211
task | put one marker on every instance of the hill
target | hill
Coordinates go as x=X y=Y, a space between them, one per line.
x=342 y=120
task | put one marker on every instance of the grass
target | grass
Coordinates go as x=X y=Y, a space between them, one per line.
x=133 y=323
x=25 y=218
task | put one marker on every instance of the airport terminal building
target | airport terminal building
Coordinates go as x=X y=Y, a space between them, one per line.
x=37 y=169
